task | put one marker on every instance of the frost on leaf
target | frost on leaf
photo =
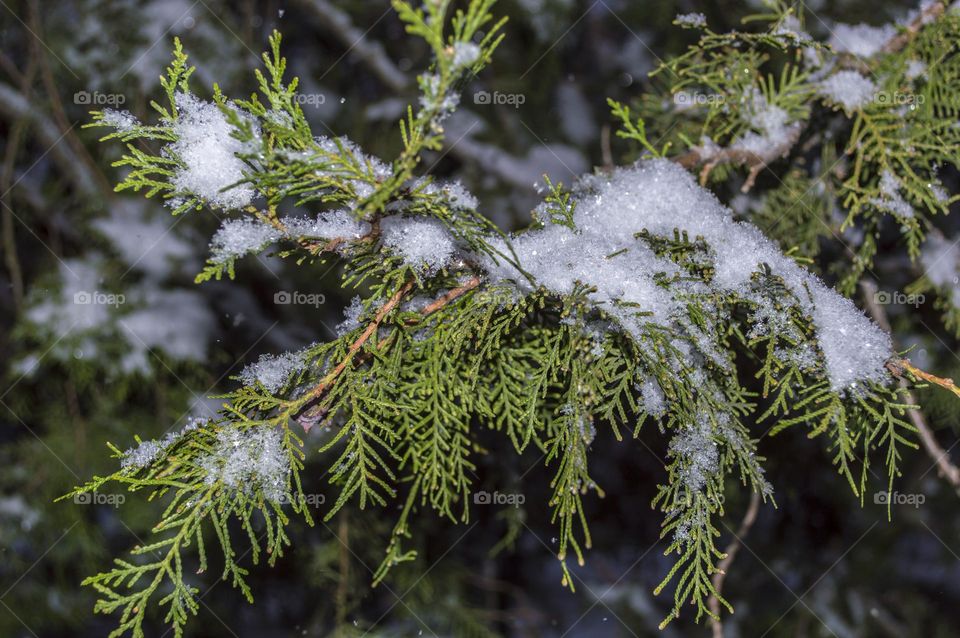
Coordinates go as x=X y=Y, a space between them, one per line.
x=272 y=371
x=691 y=20
x=329 y=225
x=890 y=198
x=149 y=451
x=122 y=121
x=249 y=461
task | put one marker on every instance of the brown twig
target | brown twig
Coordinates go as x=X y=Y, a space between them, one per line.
x=739 y=157
x=900 y=367
x=355 y=347
x=605 y=150
x=306 y=418
x=452 y=294
x=68 y=133
x=18 y=127
x=731 y=553
x=928 y=13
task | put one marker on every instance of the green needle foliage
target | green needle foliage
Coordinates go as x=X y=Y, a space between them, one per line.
x=440 y=347
x=864 y=128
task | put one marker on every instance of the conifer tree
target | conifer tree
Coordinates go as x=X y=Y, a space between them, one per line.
x=635 y=298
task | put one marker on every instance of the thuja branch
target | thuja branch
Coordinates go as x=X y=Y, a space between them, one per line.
x=902 y=368
x=318 y=391
x=633 y=298
x=355 y=347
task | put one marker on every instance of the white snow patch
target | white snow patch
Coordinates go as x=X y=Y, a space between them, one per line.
x=465 y=54
x=890 y=198
x=351 y=317
x=209 y=151
x=424 y=244
x=272 y=371
x=122 y=121
x=653 y=401
x=238 y=237
x=249 y=461
x=849 y=89
x=329 y=225
x=82 y=314
x=149 y=451
x=915 y=69
x=861 y=40
x=697 y=449
x=178 y=322
x=147 y=244
x=659 y=196
x=691 y=20
x=941 y=264
x=773 y=133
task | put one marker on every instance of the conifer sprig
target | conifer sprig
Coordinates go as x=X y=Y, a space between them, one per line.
x=635 y=298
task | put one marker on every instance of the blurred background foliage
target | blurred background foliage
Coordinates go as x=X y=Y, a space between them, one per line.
x=76 y=375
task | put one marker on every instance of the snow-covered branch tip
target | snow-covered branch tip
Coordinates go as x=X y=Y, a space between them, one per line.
x=635 y=296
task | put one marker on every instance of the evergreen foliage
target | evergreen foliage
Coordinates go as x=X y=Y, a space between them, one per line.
x=460 y=328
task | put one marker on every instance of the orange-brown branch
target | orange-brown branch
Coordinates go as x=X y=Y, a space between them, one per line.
x=355 y=347
x=899 y=366
x=450 y=296
x=318 y=391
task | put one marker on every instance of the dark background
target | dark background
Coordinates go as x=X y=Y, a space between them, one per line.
x=818 y=564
